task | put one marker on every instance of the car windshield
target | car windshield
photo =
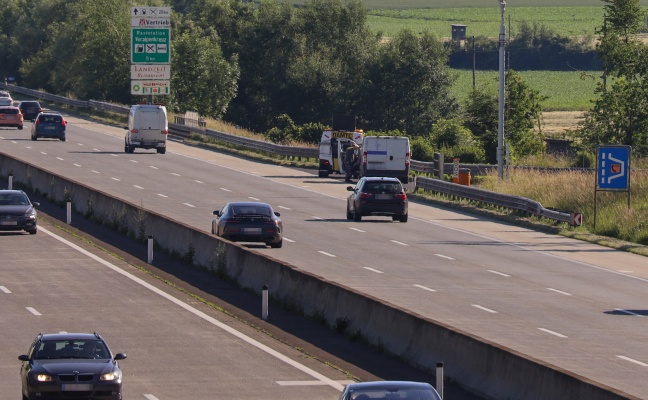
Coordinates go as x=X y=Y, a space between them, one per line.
x=13 y=199
x=251 y=210
x=62 y=349
x=382 y=187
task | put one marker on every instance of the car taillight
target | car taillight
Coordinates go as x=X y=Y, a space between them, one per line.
x=364 y=158
x=401 y=196
x=165 y=132
x=63 y=122
x=364 y=195
x=407 y=160
x=134 y=130
x=38 y=122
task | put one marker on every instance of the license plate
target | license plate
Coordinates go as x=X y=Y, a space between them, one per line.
x=76 y=387
x=252 y=231
x=50 y=128
x=383 y=196
x=8 y=223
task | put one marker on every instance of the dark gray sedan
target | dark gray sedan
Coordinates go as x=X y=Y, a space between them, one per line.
x=377 y=196
x=17 y=213
x=249 y=221
x=390 y=390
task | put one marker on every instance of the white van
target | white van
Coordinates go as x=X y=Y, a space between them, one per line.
x=147 y=128
x=387 y=156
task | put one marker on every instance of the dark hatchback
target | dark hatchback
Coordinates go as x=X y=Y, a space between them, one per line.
x=377 y=196
x=17 y=213
x=70 y=366
x=49 y=125
x=30 y=109
x=249 y=222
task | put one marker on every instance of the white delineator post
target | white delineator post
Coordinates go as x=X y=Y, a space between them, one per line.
x=500 y=113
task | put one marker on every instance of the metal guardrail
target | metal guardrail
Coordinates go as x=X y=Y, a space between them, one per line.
x=494 y=198
x=435 y=185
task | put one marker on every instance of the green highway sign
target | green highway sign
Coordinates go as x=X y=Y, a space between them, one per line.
x=151 y=46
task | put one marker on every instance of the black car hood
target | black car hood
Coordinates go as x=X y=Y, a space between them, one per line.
x=55 y=367
x=17 y=210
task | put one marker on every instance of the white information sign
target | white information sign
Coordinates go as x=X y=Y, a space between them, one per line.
x=152 y=71
x=150 y=87
x=151 y=12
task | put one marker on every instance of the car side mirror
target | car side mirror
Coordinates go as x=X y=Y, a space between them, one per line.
x=350 y=188
x=120 y=356
x=35 y=204
x=23 y=357
x=277 y=214
x=216 y=213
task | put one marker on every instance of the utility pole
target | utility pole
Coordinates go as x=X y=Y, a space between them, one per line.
x=500 y=113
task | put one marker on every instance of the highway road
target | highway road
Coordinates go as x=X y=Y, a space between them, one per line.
x=571 y=304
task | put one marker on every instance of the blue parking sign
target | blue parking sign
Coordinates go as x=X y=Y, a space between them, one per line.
x=613 y=168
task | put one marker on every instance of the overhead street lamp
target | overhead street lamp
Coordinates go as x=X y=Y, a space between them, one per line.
x=500 y=113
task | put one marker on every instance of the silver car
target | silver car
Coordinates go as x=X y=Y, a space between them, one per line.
x=390 y=390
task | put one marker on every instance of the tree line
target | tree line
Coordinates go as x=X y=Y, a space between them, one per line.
x=274 y=68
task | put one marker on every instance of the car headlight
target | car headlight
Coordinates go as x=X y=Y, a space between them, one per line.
x=31 y=214
x=111 y=376
x=44 y=378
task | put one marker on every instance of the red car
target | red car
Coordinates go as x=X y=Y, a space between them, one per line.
x=11 y=116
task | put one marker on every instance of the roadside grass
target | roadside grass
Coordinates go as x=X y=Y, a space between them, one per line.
x=565 y=91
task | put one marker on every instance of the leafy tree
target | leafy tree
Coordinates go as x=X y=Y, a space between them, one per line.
x=481 y=118
x=523 y=114
x=625 y=17
x=202 y=80
x=408 y=85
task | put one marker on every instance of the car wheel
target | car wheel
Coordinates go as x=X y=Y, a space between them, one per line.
x=356 y=215
x=403 y=218
x=20 y=128
x=161 y=150
x=32 y=231
x=62 y=139
x=34 y=137
x=277 y=245
x=349 y=215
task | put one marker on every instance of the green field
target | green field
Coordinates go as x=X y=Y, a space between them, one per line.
x=407 y=4
x=565 y=91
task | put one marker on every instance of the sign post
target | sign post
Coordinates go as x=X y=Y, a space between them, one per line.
x=150 y=50
x=612 y=171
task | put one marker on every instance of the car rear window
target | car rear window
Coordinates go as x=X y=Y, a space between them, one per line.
x=9 y=111
x=29 y=104
x=241 y=211
x=50 y=118
x=382 y=187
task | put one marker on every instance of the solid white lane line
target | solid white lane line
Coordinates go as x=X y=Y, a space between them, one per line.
x=401 y=243
x=628 y=312
x=552 y=332
x=425 y=288
x=632 y=360
x=189 y=205
x=484 y=308
x=442 y=256
x=202 y=315
x=625 y=271
x=32 y=309
x=137 y=187
x=357 y=230
x=162 y=195
x=373 y=270
x=326 y=254
x=4 y=289
x=498 y=273
x=559 y=291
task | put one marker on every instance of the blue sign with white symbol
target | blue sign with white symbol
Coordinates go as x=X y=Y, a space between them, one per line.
x=613 y=168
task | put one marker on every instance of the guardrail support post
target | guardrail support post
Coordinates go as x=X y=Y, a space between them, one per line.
x=264 y=302
x=150 y=249
x=69 y=211
x=439 y=378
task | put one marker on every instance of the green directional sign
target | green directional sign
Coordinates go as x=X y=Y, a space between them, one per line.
x=150 y=46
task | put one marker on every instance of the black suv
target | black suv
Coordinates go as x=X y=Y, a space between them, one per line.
x=30 y=109
x=377 y=196
x=70 y=365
